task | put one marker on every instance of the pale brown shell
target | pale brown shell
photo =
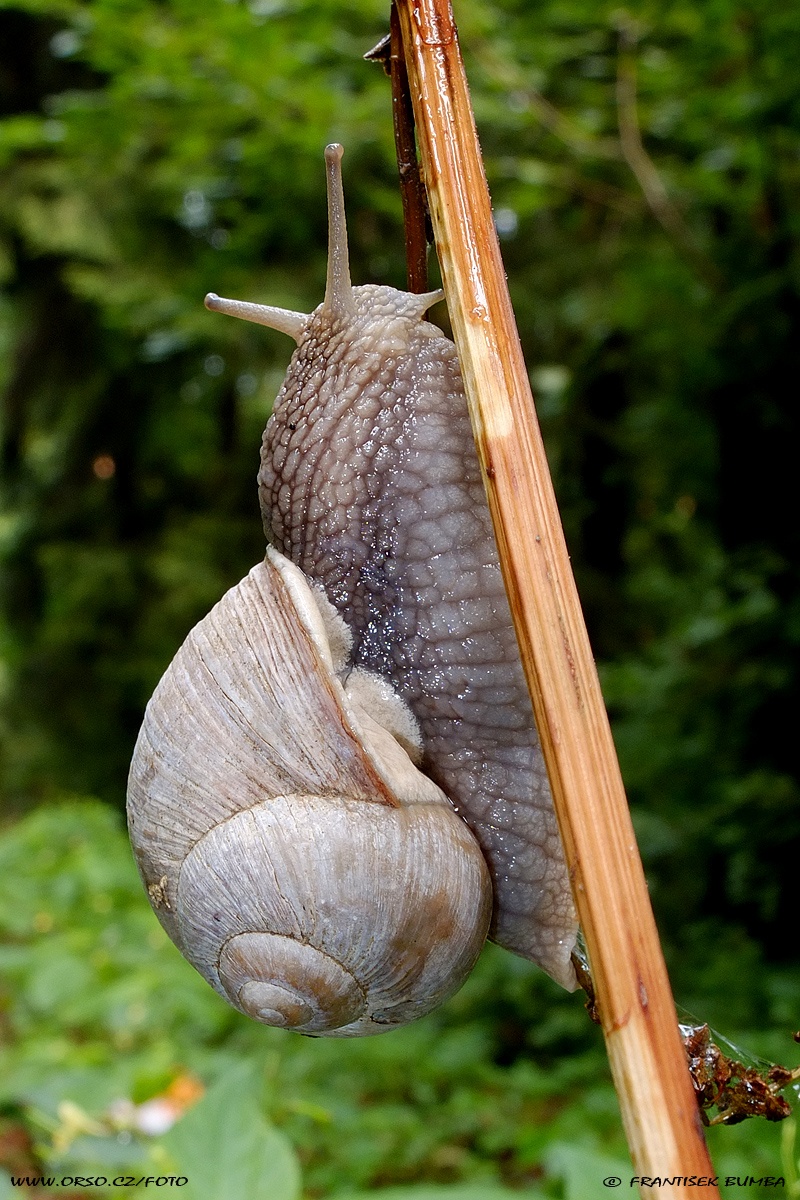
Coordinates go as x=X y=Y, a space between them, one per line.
x=288 y=844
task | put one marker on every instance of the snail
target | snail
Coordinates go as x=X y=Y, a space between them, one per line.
x=338 y=789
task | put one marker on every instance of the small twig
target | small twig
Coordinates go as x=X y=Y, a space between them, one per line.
x=568 y=131
x=416 y=222
x=637 y=158
x=628 y=147
x=595 y=190
x=412 y=190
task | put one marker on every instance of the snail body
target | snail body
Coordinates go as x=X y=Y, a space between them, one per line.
x=338 y=790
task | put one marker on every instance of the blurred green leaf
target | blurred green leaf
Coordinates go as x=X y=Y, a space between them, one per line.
x=475 y=1095
x=226 y=1147
x=584 y=1168
x=445 y=1192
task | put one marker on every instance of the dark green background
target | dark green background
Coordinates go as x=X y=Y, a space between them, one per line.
x=152 y=151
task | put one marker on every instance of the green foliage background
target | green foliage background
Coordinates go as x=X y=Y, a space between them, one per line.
x=151 y=151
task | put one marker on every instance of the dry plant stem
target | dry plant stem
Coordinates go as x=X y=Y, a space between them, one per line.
x=635 y=1002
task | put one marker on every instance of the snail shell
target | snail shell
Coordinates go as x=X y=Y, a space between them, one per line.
x=370 y=483
x=289 y=846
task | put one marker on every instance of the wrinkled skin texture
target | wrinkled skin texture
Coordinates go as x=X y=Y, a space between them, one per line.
x=370 y=484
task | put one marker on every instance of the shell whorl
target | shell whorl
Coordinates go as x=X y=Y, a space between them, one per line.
x=288 y=844
x=281 y=981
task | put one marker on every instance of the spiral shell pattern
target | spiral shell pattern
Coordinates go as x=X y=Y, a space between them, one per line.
x=289 y=846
